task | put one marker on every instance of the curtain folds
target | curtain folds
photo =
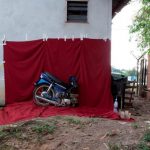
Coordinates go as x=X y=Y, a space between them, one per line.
x=88 y=60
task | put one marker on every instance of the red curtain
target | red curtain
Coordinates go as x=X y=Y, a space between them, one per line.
x=88 y=60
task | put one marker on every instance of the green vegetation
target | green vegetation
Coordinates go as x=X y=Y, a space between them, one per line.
x=140 y=29
x=73 y=121
x=11 y=132
x=43 y=129
x=146 y=137
x=58 y=117
x=19 y=132
x=3 y=134
x=114 y=146
x=143 y=144
x=7 y=147
x=131 y=72
x=93 y=120
x=135 y=125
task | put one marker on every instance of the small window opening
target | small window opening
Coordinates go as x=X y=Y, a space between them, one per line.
x=77 y=11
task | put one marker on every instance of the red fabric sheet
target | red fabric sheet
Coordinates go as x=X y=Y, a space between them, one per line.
x=89 y=60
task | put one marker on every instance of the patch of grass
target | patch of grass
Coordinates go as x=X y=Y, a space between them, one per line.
x=43 y=129
x=28 y=123
x=135 y=125
x=146 y=136
x=15 y=132
x=93 y=120
x=143 y=146
x=7 y=147
x=129 y=147
x=54 y=122
x=73 y=121
x=10 y=132
x=58 y=117
x=144 y=141
x=3 y=134
x=114 y=146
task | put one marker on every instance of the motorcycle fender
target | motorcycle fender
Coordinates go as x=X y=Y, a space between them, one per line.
x=41 y=81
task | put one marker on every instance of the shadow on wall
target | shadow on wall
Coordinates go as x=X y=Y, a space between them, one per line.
x=2 y=89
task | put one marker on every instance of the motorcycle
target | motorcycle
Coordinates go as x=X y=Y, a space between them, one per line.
x=51 y=90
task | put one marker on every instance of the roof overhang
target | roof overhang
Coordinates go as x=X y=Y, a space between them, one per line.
x=117 y=5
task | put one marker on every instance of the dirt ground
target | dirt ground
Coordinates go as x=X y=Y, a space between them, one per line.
x=75 y=133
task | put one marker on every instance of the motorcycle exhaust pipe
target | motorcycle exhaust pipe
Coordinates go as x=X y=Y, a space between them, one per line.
x=47 y=100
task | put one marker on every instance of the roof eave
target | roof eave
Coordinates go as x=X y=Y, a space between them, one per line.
x=118 y=5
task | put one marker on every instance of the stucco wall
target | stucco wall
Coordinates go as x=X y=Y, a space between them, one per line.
x=38 y=17
x=2 y=89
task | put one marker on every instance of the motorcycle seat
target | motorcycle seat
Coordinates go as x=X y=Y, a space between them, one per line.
x=56 y=79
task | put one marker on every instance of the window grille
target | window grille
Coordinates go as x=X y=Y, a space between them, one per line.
x=77 y=11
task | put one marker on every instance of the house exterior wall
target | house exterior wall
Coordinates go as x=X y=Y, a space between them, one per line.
x=34 y=18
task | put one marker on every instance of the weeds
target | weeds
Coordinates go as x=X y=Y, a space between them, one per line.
x=16 y=132
x=93 y=120
x=58 y=117
x=135 y=125
x=28 y=123
x=10 y=132
x=3 y=134
x=146 y=137
x=143 y=146
x=113 y=146
x=7 y=147
x=35 y=127
x=43 y=129
x=73 y=121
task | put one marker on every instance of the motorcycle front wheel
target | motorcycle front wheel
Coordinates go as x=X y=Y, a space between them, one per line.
x=38 y=94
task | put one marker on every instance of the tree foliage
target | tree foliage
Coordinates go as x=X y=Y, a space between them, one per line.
x=131 y=72
x=140 y=28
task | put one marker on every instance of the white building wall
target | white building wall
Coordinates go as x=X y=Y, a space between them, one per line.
x=38 y=17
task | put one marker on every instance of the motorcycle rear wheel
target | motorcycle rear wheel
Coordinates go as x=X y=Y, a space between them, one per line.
x=38 y=93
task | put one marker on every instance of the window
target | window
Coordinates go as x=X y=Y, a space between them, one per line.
x=77 y=11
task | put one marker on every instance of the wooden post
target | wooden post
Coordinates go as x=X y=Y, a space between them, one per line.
x=137 y=87
x=148 y=78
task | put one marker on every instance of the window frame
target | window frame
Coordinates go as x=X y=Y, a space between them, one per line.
x=78 y=21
